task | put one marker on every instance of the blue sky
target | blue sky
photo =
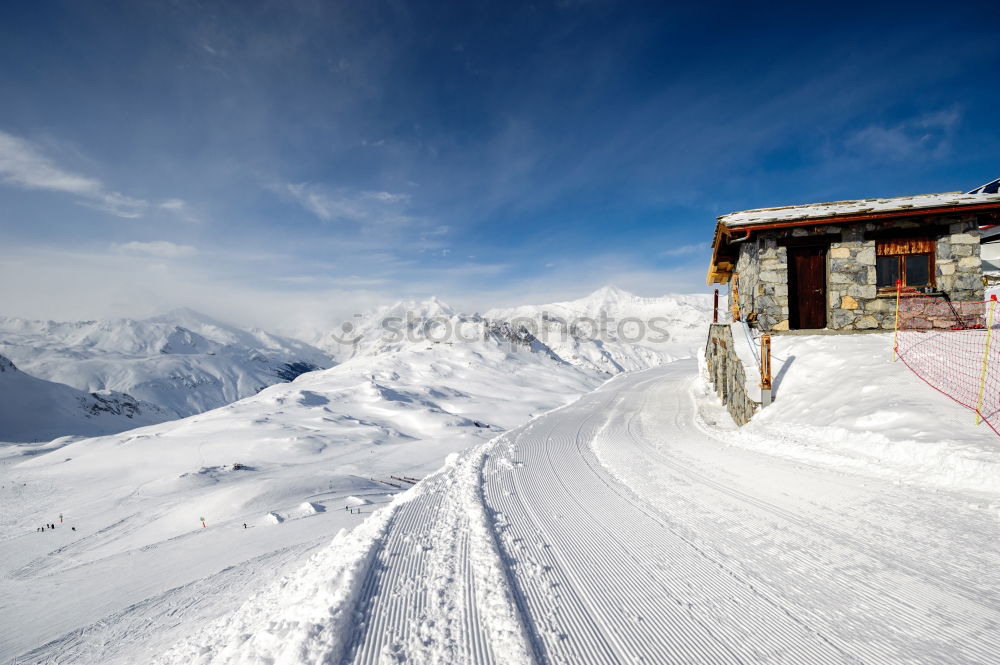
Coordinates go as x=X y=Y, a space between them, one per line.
x=286 y=162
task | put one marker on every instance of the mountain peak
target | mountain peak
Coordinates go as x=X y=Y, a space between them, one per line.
x=609 y=295
x=186 y=315
x=611 y=290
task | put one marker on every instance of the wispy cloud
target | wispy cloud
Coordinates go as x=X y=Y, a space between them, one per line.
x=163 y=249
x=366 y=208
x=23 y=165
x=116 y=204
x=686 y=250
x=923 y=136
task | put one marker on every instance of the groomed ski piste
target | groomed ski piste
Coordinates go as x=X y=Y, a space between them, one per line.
x=623 y=528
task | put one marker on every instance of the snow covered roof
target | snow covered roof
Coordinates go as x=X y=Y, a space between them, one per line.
x=859 y=207
x=983 y=199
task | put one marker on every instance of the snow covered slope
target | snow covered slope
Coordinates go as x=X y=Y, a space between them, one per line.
x=331 y=439
x=840 y=401
x=614 y=530
x=624 y=527
x=35 y=410
x=183 y=361
x=295 y=463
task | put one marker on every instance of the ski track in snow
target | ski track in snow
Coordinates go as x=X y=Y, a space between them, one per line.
x=617 y=530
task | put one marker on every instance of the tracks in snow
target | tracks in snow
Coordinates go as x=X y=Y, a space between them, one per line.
x=614 y=530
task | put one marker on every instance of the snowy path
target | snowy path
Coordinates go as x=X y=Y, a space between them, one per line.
x=616 y=530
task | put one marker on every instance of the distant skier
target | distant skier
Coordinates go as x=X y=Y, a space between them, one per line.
x=244 y=525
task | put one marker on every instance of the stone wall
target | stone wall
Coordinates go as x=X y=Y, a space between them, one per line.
x=762 y=282
x=959 y=264
x=853 y=302
x=727 y=374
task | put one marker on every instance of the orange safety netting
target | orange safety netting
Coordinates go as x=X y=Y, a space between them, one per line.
x=955 y=348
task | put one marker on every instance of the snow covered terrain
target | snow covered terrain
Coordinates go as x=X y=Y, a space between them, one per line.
x=35 y=410
x=616 y=530
x=841 y=402
x=183 y=361
x=584 y=515
x=295 y=462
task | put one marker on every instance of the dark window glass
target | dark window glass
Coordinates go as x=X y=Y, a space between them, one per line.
x=886 y=271
x=917 y=270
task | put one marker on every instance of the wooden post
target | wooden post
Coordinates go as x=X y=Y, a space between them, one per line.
x=765 y=370
x=765 y=362
x=715 y=314
x=734 y=296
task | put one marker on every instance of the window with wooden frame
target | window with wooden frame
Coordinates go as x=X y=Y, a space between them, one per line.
x=909 y=260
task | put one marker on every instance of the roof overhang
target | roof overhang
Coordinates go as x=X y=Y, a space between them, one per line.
x=725 y=245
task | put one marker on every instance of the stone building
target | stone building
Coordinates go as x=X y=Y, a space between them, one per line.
x=835 y=265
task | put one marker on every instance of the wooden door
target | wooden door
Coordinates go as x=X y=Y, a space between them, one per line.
x=807 y=287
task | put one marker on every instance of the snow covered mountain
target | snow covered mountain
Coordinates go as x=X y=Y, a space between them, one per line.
x=182 y=361
x=386 y=328
x=35 y=410
x=613 y=330
x=609 y=330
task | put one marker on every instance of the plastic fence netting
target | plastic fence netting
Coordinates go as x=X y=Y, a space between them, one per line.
x=955 y=348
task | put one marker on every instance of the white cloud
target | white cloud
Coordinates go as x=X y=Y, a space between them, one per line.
x=118 y=205
x=173 y=204
x=366 y=208
x=163 y=249
x=928 y=135
x=128 y=280
x=23 y=165
x=685 y=250
x=386 y=196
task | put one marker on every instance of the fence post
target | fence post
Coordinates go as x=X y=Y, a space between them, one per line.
x=734 y=296
x=986 y=356
x=765 y=370
x=895 y=325
x=715 y=313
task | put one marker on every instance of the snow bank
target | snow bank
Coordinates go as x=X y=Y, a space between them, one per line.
x=840 y=401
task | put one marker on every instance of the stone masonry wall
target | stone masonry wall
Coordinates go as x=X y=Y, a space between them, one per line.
x=959 y=264
x=762 y=282
x=853 y=302
x=726 y=373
